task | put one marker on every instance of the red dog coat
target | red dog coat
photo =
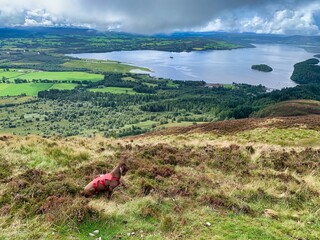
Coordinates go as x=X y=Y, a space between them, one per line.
x=102 y=180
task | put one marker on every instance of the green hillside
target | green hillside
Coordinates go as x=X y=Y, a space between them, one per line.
x=290 y=108
x=241 y=179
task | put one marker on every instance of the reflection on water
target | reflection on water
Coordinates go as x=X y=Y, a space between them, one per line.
x=224 y=66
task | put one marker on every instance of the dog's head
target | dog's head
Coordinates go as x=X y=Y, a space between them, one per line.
x=123 y=169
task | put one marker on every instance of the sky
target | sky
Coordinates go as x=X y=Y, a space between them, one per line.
x=290 y=17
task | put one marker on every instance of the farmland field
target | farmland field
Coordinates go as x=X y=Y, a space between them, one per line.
x=31 y=89
x=58 y=76
x=102 y=66
x=10 y=74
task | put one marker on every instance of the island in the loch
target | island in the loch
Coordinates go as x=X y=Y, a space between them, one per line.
x=317 y=56
x=262 y=68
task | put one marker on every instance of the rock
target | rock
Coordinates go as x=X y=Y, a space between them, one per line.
x=271 y=213
x=131 y=234
x=208 y=224
x=96 y=231
x=99 y=238
x=92 y=235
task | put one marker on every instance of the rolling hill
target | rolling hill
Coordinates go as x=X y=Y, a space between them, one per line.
x=290 y=108
x=241 y=179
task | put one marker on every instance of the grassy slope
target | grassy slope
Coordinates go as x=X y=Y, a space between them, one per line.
x=231 y=174
x=290 y=108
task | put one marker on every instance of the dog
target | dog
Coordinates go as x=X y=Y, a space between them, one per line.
x=107 y=182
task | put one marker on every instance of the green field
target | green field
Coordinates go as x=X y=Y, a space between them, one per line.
x=228 y=86
x=128 y=79
x=145 y=124
x=10 y=74
x=7 y=88
x=114 y=90
x=151 y=84
x=29 y=75
x=172 y=84
x=102 y=66
x=31 y=89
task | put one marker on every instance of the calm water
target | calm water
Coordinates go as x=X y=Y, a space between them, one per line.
x=216 y=66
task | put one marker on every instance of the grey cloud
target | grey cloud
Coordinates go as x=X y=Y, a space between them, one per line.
x=146 y=16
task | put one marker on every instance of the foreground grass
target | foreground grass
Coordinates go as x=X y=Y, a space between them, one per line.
x=180 y=186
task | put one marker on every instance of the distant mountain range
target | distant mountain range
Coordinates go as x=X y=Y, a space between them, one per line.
x=239 y=37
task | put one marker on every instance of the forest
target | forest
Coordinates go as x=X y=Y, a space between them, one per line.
x=152 y=104
x=307 y=72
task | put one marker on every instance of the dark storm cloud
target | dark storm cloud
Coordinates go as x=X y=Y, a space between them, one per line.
x=166 y=15
x=150 y=16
